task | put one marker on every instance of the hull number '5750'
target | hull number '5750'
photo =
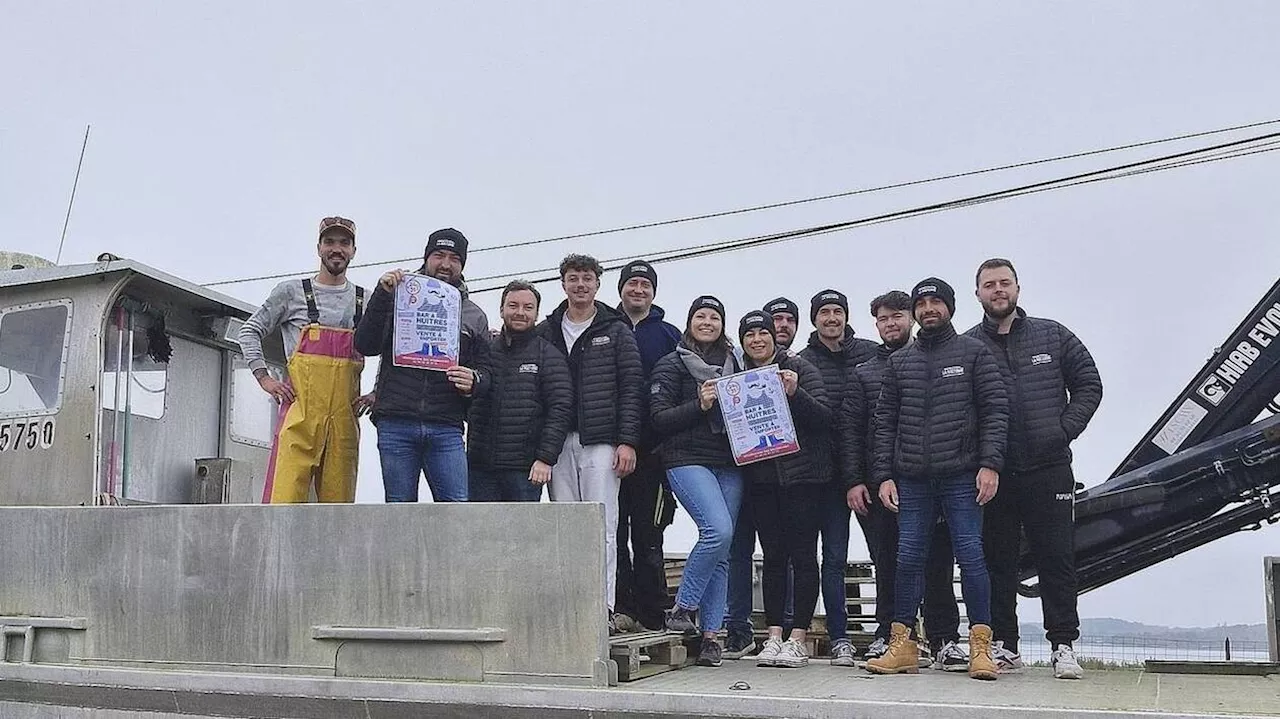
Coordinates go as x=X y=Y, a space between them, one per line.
x=26 y=434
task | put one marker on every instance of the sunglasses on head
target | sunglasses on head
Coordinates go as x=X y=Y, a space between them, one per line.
x=342 y=222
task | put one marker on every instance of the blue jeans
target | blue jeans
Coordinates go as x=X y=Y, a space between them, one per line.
x=835 y=557
x=919 y=501
x=502 y=485
x=711 y=496
x=409 y=447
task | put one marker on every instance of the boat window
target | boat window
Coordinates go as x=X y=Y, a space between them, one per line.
x=33 y=357
x=253 y=412
x=131 y=377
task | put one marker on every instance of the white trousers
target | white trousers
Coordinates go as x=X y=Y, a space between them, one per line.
x=585 y=474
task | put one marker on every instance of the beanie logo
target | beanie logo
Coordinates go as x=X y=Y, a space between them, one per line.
x=1041 y=359
x=529 y=368
x=779 y=307
x=953 y=371
x=713 y=304
x=830 y=296
x=926 y=288
x=445 y=243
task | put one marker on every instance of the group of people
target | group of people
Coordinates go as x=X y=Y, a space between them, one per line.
x=948 y=447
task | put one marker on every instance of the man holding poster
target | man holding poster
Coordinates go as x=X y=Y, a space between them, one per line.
x=433 y=342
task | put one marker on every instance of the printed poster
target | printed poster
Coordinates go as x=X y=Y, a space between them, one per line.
x=428 y=323
x=756 y=415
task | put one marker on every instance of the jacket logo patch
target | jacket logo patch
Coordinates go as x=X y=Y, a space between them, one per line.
x=655 y=388
x=598 y=341
x=528 y=368
x=1041 y=359
x=954 y=371
x=1064 y=496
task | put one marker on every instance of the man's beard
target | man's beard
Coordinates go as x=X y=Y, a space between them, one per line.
x=336 y=265
x=898 y=343
x=994 y=314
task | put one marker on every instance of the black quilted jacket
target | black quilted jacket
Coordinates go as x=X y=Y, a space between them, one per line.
x=943 y=409
x=525 y=415
x=422 y=394
x=608 y=379
x=812 y=417
x=1053 y=385
x=837 y=371
x=857 y=432
x=686 y=434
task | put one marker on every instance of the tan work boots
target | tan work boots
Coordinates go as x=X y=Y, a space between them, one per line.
x=904 y=654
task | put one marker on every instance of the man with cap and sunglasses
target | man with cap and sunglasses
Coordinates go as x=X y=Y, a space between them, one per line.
x=645 y=504
x=940 y=432
x=318 y=434
x=419 y=413
x=835 y=350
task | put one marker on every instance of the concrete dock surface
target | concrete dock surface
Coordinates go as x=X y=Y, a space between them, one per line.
x=819 y=691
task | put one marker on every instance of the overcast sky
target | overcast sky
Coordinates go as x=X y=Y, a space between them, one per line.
x=223 y=131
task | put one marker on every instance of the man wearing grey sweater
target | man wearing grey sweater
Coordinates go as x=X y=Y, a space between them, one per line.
x=317 y=433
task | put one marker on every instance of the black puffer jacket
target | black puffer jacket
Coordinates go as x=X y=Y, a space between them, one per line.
x=942 y=410
x=421 y=394
x=1054 y=388
x=608 y=379
x=857 y=431
x=812 y=417
x=686 y=434
x=837 y=370
x=525 y=415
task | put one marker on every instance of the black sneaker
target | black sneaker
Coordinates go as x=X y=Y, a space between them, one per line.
x=684 y=621
x=739 y=646
x=710 y=655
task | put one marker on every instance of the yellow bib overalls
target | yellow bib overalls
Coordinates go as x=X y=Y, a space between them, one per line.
x=318 y=434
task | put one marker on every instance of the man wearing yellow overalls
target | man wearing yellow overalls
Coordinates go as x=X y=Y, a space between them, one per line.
x=317 y=430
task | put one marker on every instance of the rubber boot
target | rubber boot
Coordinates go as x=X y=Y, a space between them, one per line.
x=903 y=656
x=981 y=663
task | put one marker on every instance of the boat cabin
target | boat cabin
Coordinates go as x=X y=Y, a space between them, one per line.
x=121 y=384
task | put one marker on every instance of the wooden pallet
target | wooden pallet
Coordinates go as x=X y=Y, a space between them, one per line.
x=645 y=654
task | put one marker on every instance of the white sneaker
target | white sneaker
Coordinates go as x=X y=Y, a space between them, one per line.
x=1007 y=661
x=768 y=656
x=951 y=658
x=793 y=655
x=1065 y=665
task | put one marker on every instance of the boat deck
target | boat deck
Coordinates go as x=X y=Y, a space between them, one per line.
x=819 y=691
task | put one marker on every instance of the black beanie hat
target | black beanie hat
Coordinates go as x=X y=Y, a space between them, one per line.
x=782 y=304
x=933 y=287
x=705 y=302
x=447 y=239
x=756 y=319
x=639 y=268
x=827 y=297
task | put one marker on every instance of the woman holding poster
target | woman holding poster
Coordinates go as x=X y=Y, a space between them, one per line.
x=786 y=492
x=700 y=467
